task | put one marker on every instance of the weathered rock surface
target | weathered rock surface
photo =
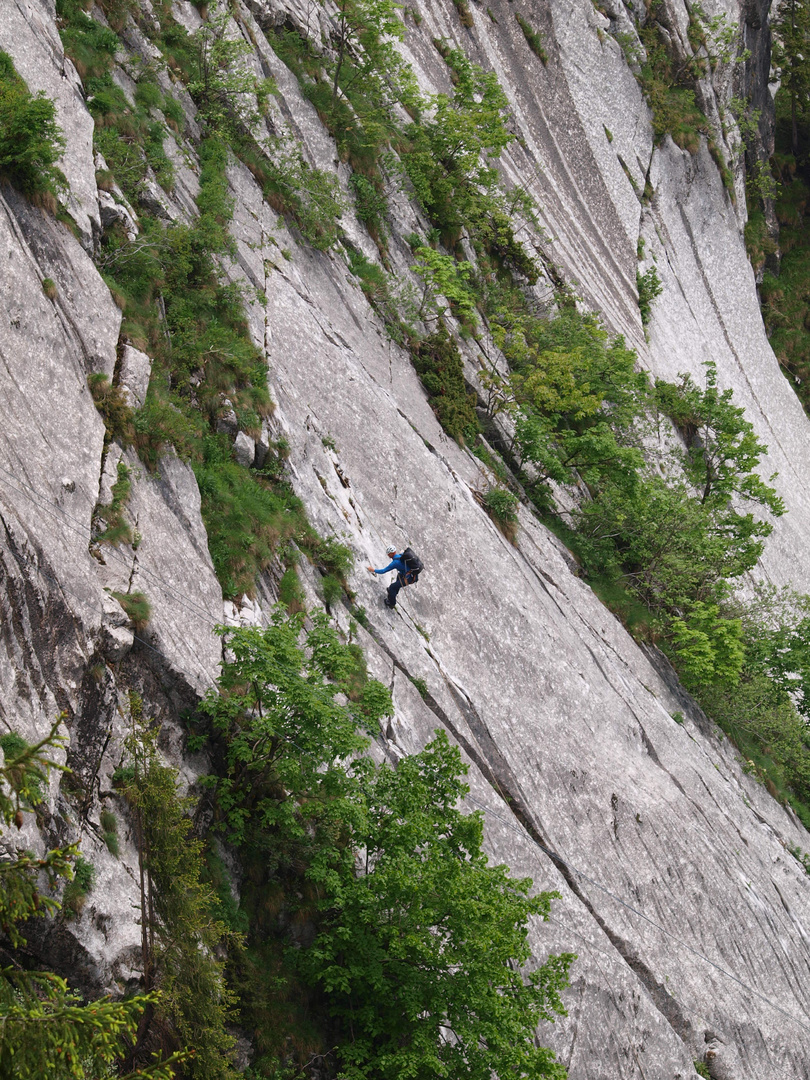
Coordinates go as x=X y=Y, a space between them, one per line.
x=680 y=896
x=136 y=367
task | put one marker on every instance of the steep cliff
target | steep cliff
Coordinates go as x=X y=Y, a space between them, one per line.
x=596 y=773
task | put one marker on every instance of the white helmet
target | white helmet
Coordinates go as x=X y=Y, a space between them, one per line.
x=390 y=550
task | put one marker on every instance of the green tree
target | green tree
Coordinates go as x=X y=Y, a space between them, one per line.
x=443 y=276
x=224 y=86
x=765 y=711
x=421 y=949
x=183 y=934
x=287 y=738
x=578 y=398
x=419 y=944
x=366 y=56
x=791 y=60
x=722 y=453
x=677 y=557
x=452 y=153
x=45 y=1030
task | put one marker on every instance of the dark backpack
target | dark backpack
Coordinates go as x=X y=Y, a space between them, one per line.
x=414 y=566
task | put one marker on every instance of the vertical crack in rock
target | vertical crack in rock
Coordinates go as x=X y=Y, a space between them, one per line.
x=499 y=775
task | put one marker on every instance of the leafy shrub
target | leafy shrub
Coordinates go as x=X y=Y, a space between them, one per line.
x=370 y=203
x=361 y=615
x=290 y=591
x=302 y=819
x=246 y=517
x=463 y=9
x=109 y=826
x=77 y=890
x=336 y=558
x=185 y=935
x=49 y=288
x=373 y=281
x=426 y=878
x=93 y=1036
x=649 y=287
x=758 y=243
x=501 y=505
x=31 y=141
x=722 y=450
x=578 y=395
x=89 y=44
x=332 y=590
x=669 y=88
x=450 y=158
x=26 y=779
x=420 y=685
x=438 y=362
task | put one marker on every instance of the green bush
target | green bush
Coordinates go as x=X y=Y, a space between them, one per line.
x=578 y=397
x=420 y=685
x=137 y=607
x=438 y=362
x=335 y=558
x=26 y=778
x=465 y=15
x=534 y=40
x=71 y=1038
x=31 y=141
x=290 y=591
x=501 y=505
x=118 y=530
x=185 y=935
x=361 y=615
x=112 y=404
x=109 y=826
x=427 y=882
x=370 y=203
x=332 y=590
x=89 y=44
x=246 y=517
x=77 y=890
x=670 y=90
x=649 y=287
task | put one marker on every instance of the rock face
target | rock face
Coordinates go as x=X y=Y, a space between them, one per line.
x=679 y=894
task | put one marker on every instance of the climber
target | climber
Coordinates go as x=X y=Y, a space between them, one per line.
x=407 y=565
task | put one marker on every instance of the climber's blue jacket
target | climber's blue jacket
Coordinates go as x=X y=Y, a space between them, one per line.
x=397 y=563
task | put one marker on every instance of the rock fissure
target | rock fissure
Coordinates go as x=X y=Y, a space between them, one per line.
x=498 y=774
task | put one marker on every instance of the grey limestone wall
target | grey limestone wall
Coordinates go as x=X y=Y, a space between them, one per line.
x=688 y=913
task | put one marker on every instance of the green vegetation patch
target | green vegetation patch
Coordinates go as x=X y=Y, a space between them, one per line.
x=31 y=141
x=438 y=361
x=302 y=816
x=501 y=505
x=137 y=607
x=118 y=529
x=72 y=1037
x=533 y=39
x=78 y=888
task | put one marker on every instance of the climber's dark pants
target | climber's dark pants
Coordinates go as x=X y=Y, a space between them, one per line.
x=393 y=589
